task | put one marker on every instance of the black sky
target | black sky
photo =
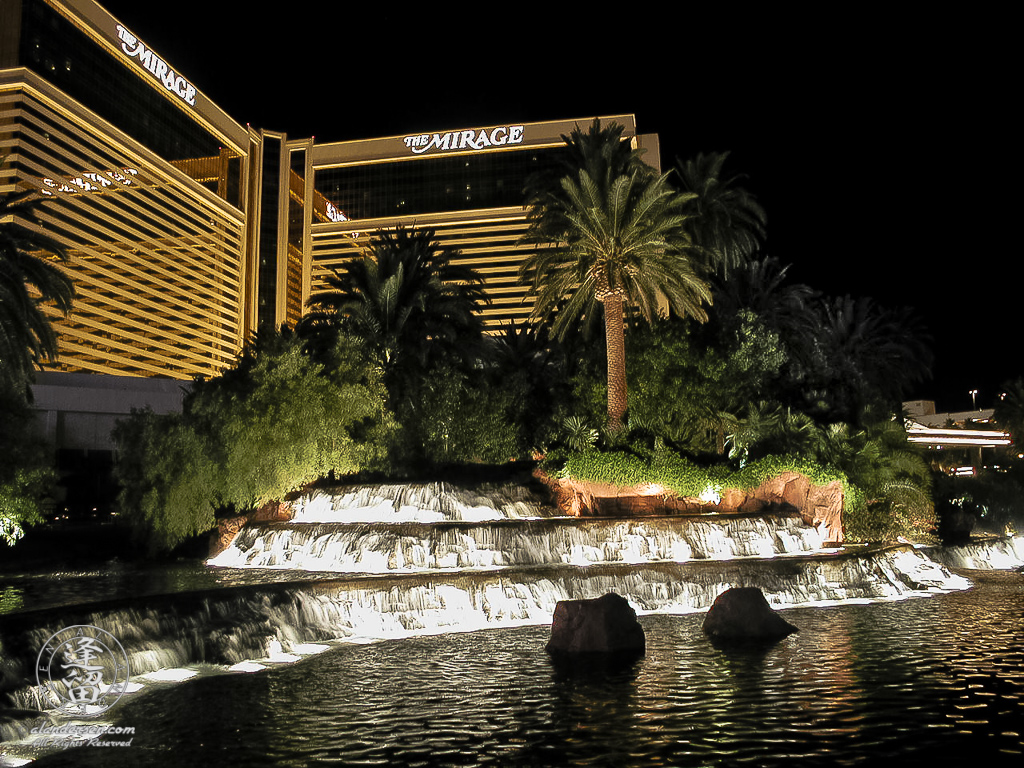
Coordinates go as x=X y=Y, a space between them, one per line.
x=884 y=149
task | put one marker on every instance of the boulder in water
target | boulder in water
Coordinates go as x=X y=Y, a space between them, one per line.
x=606 y=624
x=742 y=613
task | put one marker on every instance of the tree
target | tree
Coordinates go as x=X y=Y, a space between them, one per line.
x=276 y=422
x=29 y=279
x=610 y=234
x=870 y=358
x=408 y=299
x=726 y=222
x=1009 y=411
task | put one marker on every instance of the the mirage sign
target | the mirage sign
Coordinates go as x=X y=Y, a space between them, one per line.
x=482 y=138
x=171 y=80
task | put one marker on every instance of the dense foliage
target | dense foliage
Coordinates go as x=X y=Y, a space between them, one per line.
x=30 y=281
x=26 y=477
x=276 y=422
x=391 y=369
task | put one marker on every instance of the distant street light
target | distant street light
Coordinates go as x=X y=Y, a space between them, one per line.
x=974 y=398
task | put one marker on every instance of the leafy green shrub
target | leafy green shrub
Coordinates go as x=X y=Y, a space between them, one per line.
x=682 y=476
x=26 y=477
x=273 y=424
x=895 y=504
x=20 y=492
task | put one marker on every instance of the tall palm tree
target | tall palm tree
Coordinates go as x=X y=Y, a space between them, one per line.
x=610 y=234
x=406 y=297
x=29 y=279
x=727 y=224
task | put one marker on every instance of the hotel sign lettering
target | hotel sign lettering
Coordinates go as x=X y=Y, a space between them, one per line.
x=171 y=80
x=90 y=182
x=469 y=139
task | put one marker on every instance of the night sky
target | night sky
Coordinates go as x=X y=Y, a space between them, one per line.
x=880 y=147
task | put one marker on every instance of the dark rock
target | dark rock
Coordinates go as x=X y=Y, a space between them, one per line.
x=742 y=613
x=955 y=525
x=605 y=624
x=228 y=527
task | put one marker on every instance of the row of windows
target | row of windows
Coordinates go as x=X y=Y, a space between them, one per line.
x=65 y=56
x=434 y=185
x=156 y=263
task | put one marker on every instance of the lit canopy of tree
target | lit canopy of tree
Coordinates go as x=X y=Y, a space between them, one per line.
x=610 y=233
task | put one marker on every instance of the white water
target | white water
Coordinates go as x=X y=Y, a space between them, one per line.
x=239 y=626
x=1001 y=554
x=401 y=548
x=422 y=503
x=459 y=574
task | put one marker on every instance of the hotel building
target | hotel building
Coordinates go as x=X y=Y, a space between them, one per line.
x=186 y=230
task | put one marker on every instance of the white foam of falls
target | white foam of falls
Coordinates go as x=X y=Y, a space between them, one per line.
x=415 y=547
x=170 y=675
x=278 y=623
x=421 y=503
x=1005 y=553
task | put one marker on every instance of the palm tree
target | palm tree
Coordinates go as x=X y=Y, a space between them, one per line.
x=407 y=298
x=610 y=234
x=872 y=356
x=726 y=222
x=28 y=281
x=1009 y=411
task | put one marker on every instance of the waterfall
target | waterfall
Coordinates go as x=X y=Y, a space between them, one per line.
x=998 y=553
x=422 y=503
x=457 y=560
x=233 y=625
x=356 y=547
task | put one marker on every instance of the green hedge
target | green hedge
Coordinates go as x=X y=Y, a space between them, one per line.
x=682 y=476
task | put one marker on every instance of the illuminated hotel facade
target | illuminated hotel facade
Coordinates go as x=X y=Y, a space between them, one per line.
x=186 y=230
x=466 y=185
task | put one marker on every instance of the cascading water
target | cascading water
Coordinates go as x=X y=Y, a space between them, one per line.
x=994 y=552
x=394 y=561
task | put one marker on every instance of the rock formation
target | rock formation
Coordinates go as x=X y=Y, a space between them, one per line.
x=228 y=527
x=742 y=613
x=604 y=624
x=819 y=505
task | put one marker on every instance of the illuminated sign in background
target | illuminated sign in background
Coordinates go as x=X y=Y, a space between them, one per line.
x=462 y=140
x=90 y=182
x=171 y=80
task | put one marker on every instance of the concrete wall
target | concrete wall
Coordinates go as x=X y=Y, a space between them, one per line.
x=77 y=411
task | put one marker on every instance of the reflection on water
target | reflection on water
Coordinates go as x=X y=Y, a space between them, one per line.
x=921 y=681
x=11 y=599
x=32 y=590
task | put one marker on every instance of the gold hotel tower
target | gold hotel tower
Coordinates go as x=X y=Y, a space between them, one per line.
x=187 y=230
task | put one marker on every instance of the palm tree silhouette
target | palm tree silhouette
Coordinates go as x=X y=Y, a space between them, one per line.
x=29 y=279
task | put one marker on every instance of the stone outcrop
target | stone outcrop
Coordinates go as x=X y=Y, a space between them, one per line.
x=742 y=614
x=228 y=527
x=606 y=624
x=819 y=505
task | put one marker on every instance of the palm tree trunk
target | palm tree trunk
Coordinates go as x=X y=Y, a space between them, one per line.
x=615 y=345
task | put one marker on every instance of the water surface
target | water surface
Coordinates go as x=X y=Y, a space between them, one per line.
x=929 y=681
